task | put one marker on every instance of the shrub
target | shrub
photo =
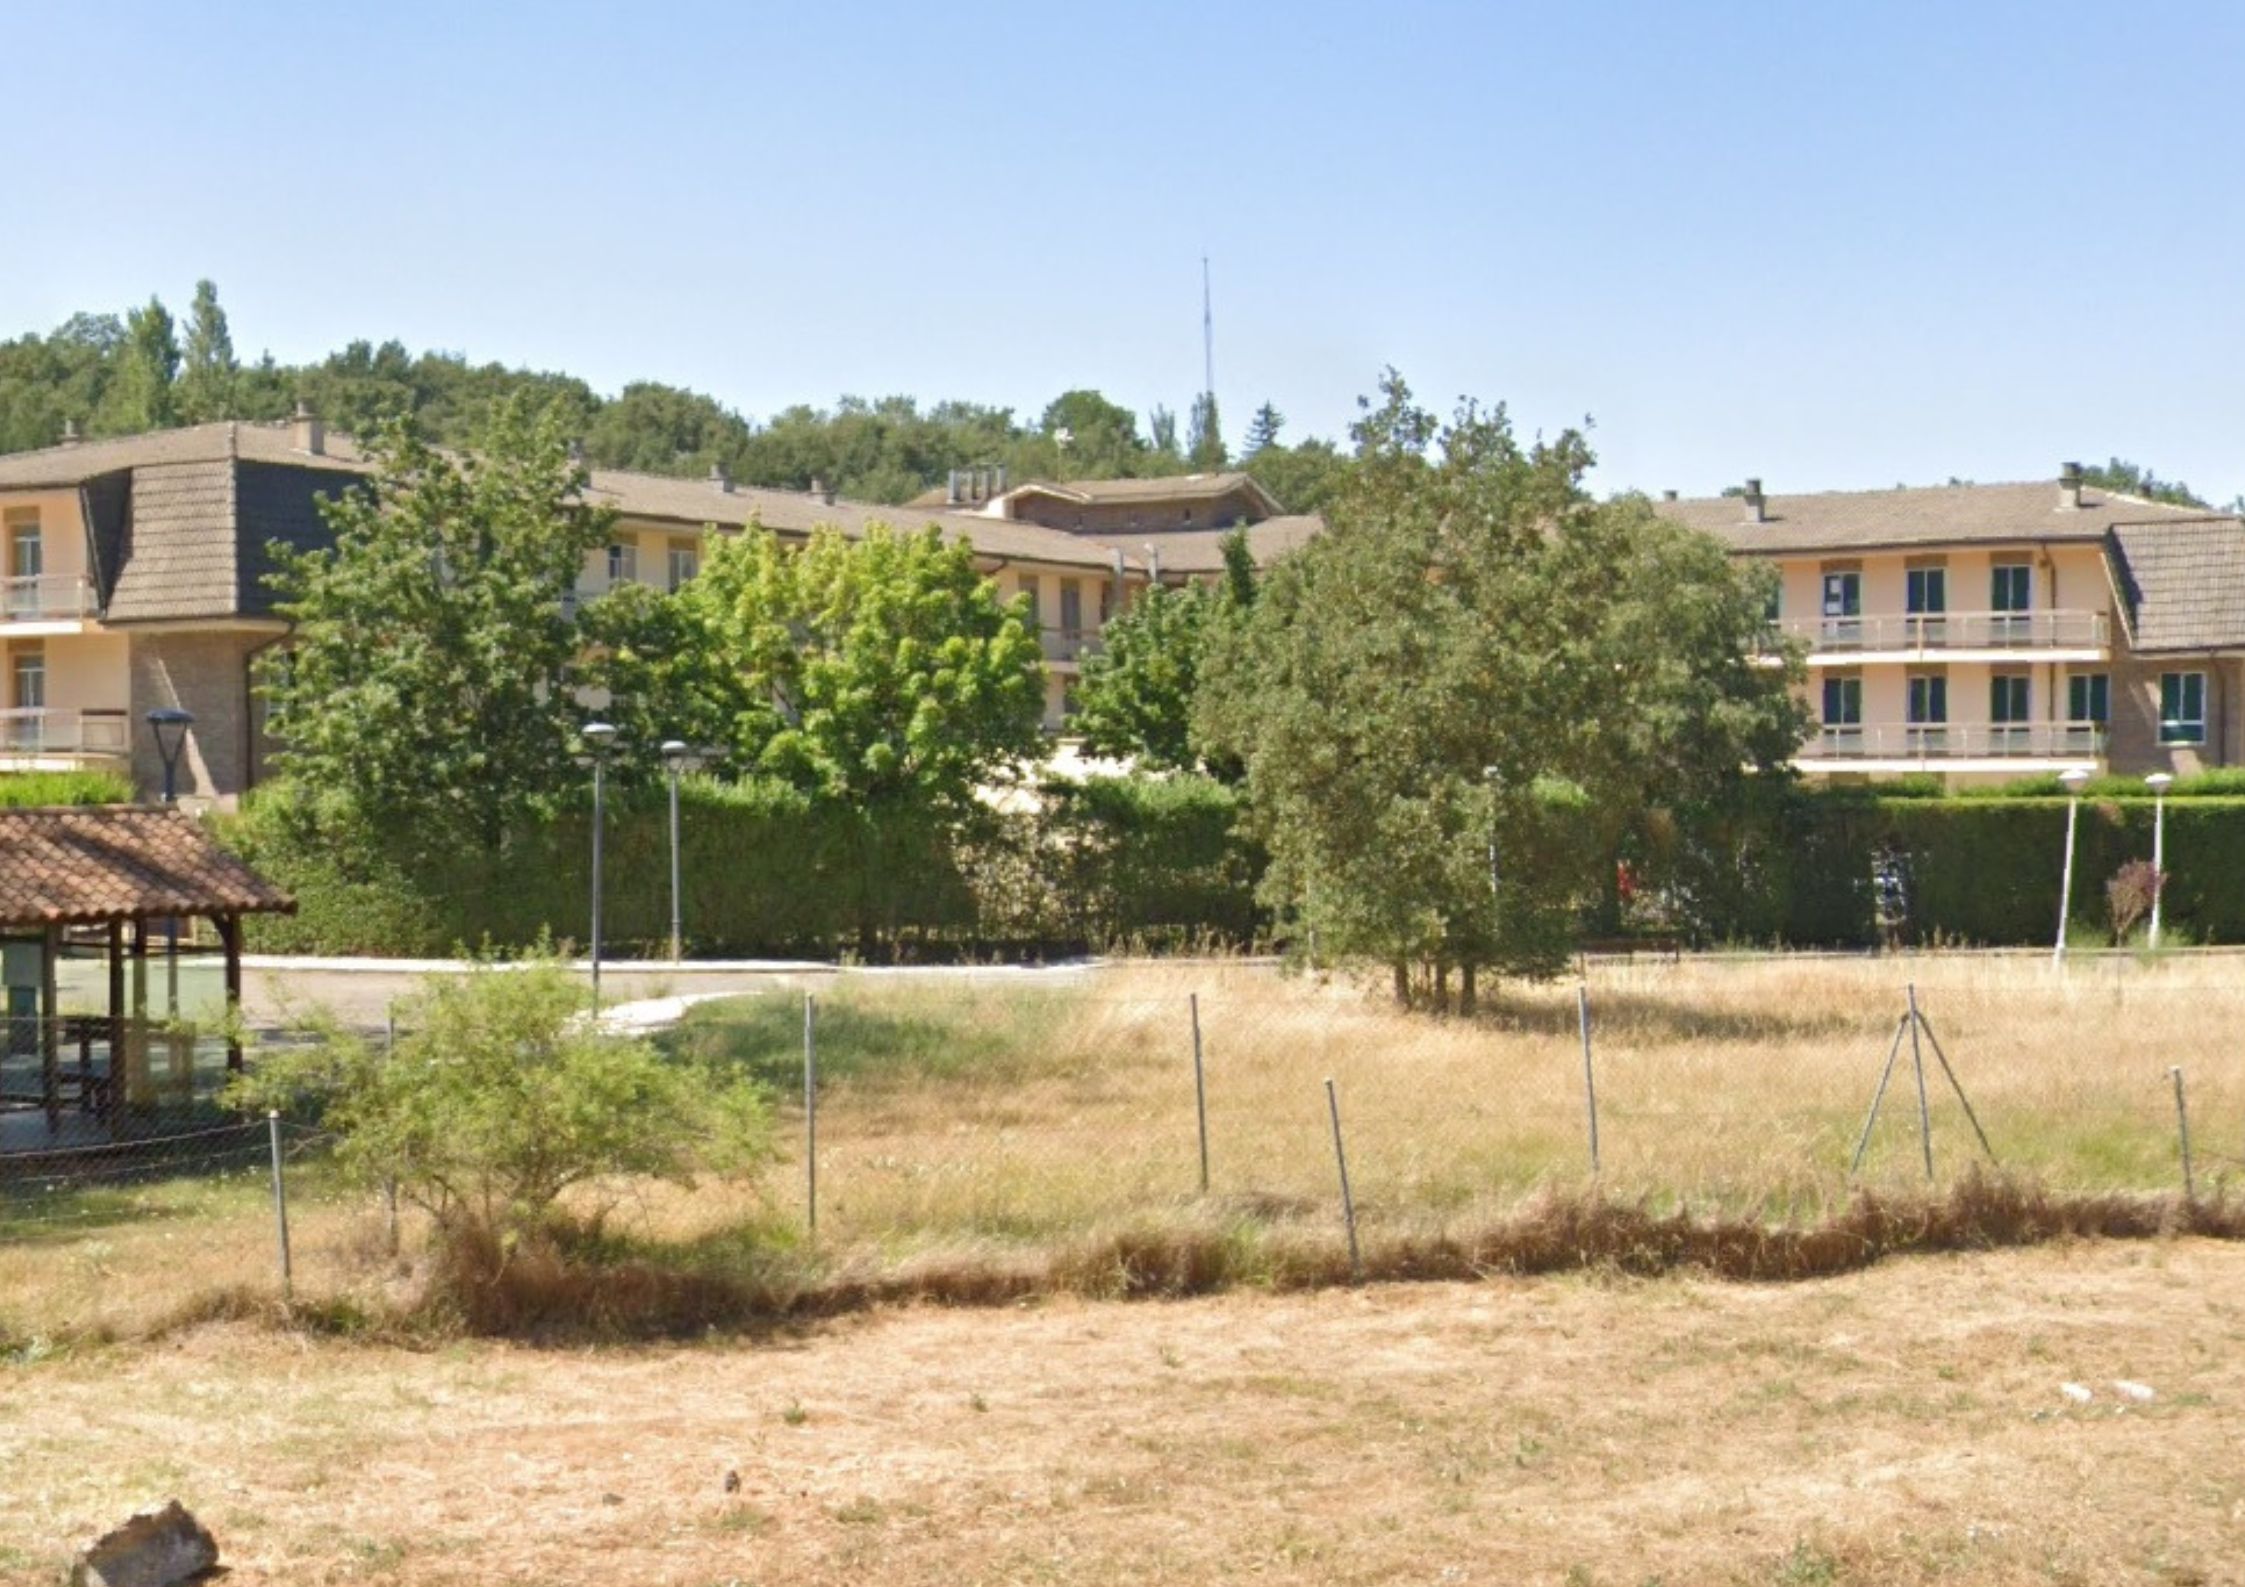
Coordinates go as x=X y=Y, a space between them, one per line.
x=501 y=1095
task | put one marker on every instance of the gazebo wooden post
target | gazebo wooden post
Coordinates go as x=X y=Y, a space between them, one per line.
x=134 y=1085
x=50 y=1026
x=116 y=1020
x=230 y=935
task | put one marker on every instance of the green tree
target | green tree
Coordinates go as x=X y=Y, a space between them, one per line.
x=1204 y=437
x=1481 y=653
x=432 y=672
x=663 y=670
x=1103 y=439
x=1302 y=478
x=1135 y=699
x=210 y=373
x=141 y=397
x=2135 y=480
x=1263 y=429
x=499 y=1097
x=1161 y=426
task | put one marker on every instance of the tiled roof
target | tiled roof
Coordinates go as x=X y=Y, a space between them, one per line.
x=1859 y=520
x=84 y=864
x=1167 y=487
x=2182 y=585
x=1202 y=550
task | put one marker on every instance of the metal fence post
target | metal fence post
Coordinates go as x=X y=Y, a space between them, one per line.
x=1589 y=1075
x=280 y=1203
x=810 y=1110
x=1200 y=1091
x=2182 y=1128
x=1348 y=1200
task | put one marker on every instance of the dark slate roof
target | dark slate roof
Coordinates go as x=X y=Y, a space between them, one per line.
x=85 y=864
x=2181 y=585
x=1863 y=520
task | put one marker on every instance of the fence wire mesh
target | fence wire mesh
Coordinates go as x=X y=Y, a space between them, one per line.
x=1026 y=1111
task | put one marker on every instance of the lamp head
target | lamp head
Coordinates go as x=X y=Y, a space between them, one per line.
x=2074 y=779
x=2160 y=781
x=675 y=751
x=170 y=724
x=599 y=736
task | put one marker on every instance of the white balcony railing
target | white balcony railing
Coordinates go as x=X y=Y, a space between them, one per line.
x=1977 y=741
x=43 y=732
x=1069 y=644
x=1933 y=632
x=46 y=598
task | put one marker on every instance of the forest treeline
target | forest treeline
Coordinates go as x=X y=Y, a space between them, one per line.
x=145 y=369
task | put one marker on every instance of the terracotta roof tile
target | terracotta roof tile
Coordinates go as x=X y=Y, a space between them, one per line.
x=84 y=864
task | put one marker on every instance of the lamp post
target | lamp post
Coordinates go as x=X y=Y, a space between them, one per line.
x=599 y=737
x=675 y=754
x=2073 y=780
x=2158 y=782
x=169 y=725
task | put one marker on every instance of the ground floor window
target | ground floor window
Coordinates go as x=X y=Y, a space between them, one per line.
x=2089 y=698
x=2182 y=708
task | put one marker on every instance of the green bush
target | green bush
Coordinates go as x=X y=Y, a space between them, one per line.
x=21 y=790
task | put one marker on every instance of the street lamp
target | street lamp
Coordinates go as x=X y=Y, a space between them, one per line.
x=675 y=756
x=2073 y=780
x=169 y=724
x=2158 y=782
x=598 y=737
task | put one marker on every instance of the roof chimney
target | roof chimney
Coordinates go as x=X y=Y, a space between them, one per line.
x=307 y=431
x=820 y=492
x=1001 y=490
x=1755 y=503
x=719 y=480
x=951 y=490
x=2069 y=485
x=70 y=435
x=1667 y=495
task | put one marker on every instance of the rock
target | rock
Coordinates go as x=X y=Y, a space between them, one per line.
x=732 y=1482
x=154 y=1550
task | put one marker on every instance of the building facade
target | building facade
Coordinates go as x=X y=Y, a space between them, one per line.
x=1984 y=632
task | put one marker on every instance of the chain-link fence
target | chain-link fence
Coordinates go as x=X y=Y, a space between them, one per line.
x=997 y=1113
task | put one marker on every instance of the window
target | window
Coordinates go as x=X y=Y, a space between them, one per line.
x=1071 y=607
x=2011 y=587
x=1773 y=601
x=2089 y=698
x=623 y=564
x=1929 y=700
x=1843 y=594
x=27 y=678
x=2182 y=708
x=1928 y=591
x=1036 y=611
x=685 y=562
x=2007 y=699
x=1843 y=702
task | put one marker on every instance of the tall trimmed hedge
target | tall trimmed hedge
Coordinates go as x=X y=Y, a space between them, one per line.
x=769 y=872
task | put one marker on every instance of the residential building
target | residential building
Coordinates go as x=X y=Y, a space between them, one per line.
x=1983 y=632
x=134 y=577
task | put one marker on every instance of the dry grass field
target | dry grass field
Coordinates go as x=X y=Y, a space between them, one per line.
x=994 y=1119
x=1901 y=1425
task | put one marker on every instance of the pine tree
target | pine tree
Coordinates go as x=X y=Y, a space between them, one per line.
x=1262 y=430
x=209 y=380
x=1204 y=441
x=1161 y=424
x=141 y=396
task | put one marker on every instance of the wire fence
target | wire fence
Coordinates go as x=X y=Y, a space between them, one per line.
x=917 y=1113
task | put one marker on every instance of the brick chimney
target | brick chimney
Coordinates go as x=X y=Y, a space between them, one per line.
x=1756 y=504
x=1667 y=495
x=70 y=435
x=307 y=431
x=820 y=491
x=2069 y=486
x=720 y=481
x=951 y=491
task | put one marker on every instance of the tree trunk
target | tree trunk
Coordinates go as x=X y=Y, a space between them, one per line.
x=1469 y=994
x=1403 y=983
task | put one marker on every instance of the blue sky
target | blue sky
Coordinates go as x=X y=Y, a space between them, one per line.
x=1832 y=246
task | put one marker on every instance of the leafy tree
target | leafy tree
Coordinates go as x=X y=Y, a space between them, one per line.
x=1262 y=430
x=500 y=1097
x=1136 y=698
x=1303 y=478
x=210 y=372
x=1161 y=425
x=140 y=397
x=1204 y=438
x=1480 y=651
x=664 y=674
x=434 y=663
x=2132 y=479
x=1103 y=439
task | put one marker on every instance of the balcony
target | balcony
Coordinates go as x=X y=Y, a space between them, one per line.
x=1069 y=644
x=60 y=601
x=1907 y=746
x=38 y=735
x=1951 y=636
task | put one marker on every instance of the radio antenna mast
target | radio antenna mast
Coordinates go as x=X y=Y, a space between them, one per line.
x=1207 y=335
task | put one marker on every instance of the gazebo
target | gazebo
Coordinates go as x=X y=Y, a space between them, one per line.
x=113 y=873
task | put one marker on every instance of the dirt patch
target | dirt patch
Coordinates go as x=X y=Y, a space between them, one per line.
x=1898 y=1425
